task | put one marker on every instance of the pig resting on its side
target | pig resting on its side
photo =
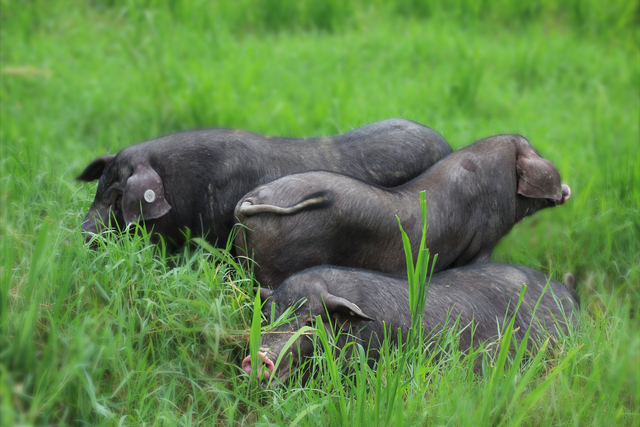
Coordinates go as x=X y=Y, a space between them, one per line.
x=193 y=180
x=362 y=300
x=474 y=197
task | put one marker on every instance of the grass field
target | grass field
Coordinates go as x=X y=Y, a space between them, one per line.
x=129 y=335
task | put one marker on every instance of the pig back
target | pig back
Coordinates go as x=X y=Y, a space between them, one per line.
x=484 y=293
x=488 y=293
x=390 y=152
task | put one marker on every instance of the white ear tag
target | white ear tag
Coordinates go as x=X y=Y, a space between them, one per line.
x=150 y=196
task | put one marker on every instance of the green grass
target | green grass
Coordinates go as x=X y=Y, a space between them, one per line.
x=128 y=334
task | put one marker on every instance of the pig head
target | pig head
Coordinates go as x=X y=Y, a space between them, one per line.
x=304 y=304
x=129 y=193
x=538 y=182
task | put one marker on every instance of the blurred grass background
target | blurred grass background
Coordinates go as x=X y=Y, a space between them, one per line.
x=128 y=334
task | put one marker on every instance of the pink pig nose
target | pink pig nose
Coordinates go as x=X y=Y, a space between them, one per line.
x=246 y=364
x=566 y=193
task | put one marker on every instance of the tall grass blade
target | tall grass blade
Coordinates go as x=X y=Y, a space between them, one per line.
x=332 y=366
x=417 y=276
x=490 y=410
x=254 y=336
x=532 y=399
x=305 y=330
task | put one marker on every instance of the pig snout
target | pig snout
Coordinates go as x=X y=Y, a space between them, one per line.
x=269 y=366
x=89 y=229
x=88 y=223
x=566 y=193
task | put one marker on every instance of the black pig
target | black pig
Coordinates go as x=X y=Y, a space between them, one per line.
x=194 y=179
x=474 y=197
x=362 y=300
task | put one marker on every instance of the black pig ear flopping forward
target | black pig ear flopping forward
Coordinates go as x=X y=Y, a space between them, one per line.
x=538 y=178
x=344 y=310
x=95 y=169
x=144 y=195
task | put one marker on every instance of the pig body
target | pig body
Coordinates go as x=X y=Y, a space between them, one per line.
x=366 y=302
x=193 y=180
x=474 y=197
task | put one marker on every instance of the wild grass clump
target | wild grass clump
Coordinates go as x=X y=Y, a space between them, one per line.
x=120 y=325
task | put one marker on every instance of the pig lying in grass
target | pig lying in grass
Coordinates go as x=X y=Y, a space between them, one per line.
x=474 y=197
x=193 y=180
x=361 y=300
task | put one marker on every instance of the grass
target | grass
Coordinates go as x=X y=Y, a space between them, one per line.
x=128 y=334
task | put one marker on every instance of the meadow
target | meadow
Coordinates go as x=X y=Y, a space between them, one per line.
x=132 y=334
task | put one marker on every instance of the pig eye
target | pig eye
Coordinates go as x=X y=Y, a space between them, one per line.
x=310 y=323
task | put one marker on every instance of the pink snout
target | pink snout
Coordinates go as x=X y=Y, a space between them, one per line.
x=269 y=366
x=566 y=193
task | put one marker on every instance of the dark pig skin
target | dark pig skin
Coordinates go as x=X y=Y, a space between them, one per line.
x=363 y=302
x=197 y=177
x=474 y=197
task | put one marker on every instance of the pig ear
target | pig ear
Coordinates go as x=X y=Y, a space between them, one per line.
x=144 y=194
x=264 y=293
x=94 y=169
x=538 y=178
x=344 y=310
